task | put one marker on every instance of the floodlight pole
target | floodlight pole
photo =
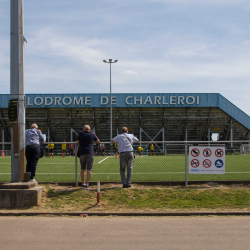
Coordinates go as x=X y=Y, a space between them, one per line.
x=17 y=90
x=110 y=61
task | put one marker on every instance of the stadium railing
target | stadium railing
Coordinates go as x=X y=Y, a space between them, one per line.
x=169 y=162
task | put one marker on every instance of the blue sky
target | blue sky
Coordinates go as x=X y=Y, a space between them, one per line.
x=162 y=46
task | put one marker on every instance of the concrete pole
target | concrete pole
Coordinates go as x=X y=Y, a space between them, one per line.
x=17 y=90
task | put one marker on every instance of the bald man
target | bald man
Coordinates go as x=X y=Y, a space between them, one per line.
x=33 y=137
x=125 y=148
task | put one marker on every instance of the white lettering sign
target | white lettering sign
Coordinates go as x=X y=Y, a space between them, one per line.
x=131 y=100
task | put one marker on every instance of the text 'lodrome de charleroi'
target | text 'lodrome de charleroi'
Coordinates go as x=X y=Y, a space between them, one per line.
x=119 y=100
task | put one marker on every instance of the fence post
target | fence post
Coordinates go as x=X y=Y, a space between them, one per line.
x=76 y=171
x=186 y=165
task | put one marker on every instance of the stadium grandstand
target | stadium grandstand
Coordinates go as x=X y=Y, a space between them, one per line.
x=150 y=117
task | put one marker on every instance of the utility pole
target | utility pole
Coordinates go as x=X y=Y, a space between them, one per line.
x=17 y=91
x=110 y=101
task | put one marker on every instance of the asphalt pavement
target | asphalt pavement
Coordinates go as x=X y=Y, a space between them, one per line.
x=112 y=233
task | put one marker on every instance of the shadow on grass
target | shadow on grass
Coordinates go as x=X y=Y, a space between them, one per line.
x=58 y=193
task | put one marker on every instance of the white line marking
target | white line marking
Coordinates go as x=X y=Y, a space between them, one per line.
x=103 y=159
x=143 y=173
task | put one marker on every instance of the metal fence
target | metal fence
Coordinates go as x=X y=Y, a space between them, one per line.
x=168 y=162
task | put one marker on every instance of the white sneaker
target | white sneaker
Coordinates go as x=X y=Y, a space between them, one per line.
x=32 y=180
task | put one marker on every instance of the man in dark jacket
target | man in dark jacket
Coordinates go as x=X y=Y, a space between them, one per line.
x=86 y=139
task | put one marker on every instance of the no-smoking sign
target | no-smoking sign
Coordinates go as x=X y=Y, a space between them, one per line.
x=207 y=163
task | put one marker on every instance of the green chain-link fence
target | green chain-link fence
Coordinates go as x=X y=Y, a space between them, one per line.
x=168 y=162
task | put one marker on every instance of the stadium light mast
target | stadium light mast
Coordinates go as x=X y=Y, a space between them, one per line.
x=110 y=62
x=16 y=105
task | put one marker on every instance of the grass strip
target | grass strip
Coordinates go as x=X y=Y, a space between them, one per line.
x=145 y=199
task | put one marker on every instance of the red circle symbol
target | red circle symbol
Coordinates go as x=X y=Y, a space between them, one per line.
x=207 y=152
x=219 y=152
x=195 y=163
x=195 y=152
x=207 y=163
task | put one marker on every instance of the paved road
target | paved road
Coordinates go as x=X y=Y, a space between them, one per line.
x=115 y=233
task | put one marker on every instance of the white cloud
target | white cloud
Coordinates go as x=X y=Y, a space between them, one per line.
x=184 y=46
x=130 y=72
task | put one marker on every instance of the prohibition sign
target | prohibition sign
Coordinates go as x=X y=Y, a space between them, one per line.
x=219 y=152
x=195 y=152
x=207 y=152
x=195 y=163
x=207 y=163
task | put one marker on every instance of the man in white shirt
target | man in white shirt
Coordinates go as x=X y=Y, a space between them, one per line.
x=125 y=148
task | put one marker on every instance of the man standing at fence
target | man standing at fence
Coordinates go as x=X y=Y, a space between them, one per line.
x=33 y=137
x=86 y=139
x=125 y=148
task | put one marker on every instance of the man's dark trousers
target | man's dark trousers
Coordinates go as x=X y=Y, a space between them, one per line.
x=32 y=153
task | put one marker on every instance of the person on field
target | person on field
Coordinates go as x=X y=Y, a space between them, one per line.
x=125 y=148
x=51 y=148
x=33 y=138
x=102 y=149
x=64 y=148
x=152 y=149
x=72 y=149
x=140 y=150
x=95 y=149
x=86 y=139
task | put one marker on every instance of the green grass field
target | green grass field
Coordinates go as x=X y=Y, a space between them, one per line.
x=146 y=168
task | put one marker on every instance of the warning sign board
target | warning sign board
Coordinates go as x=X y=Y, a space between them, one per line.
x=207 y=160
